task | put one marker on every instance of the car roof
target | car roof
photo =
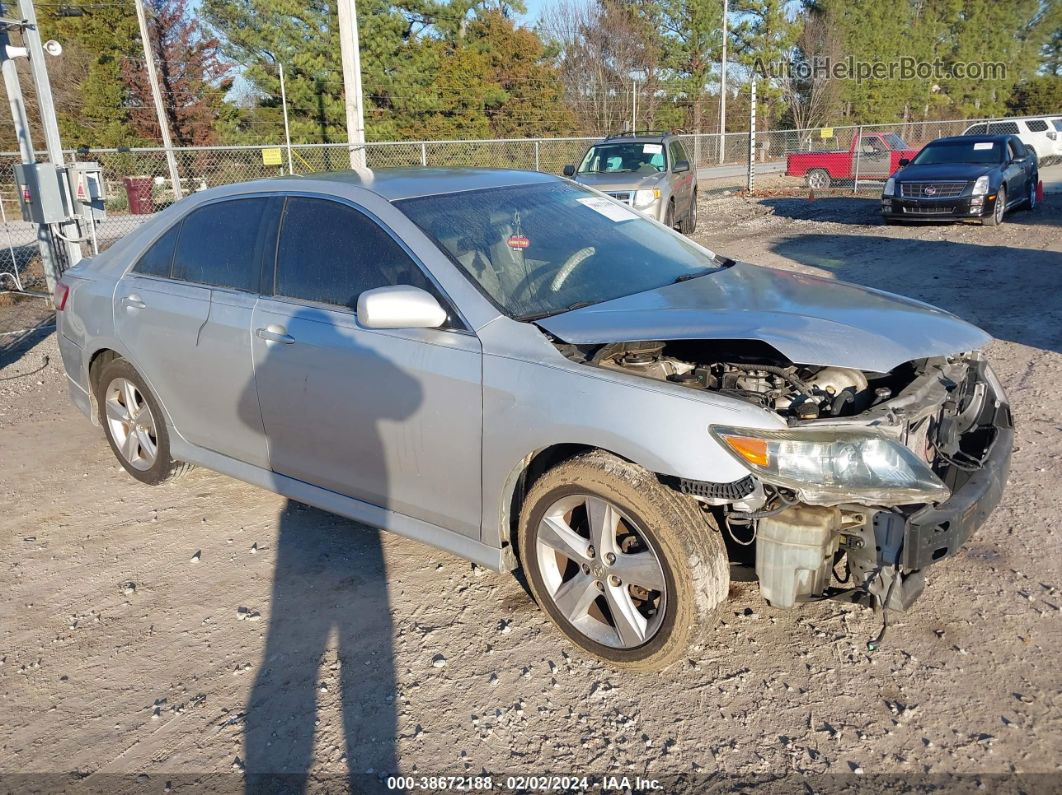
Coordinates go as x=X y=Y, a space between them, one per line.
x=965 y=139
x=641 y=138
x=406 y=183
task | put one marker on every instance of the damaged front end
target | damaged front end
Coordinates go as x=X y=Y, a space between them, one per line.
x=875 y=477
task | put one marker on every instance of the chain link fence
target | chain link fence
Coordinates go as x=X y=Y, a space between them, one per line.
x=137 y=181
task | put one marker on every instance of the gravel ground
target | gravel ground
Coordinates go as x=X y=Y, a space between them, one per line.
x=207 y=627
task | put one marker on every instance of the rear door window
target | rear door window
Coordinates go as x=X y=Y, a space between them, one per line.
x=156 y=261
x=1003 y=128
x=219 y=245
x=331 y=253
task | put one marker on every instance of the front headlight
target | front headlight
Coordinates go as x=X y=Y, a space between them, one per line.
x=833 y=467
x=644 y=198
x=890 y=187
x=981 y=186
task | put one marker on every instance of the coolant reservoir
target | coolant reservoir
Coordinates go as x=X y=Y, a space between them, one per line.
x=794 y=552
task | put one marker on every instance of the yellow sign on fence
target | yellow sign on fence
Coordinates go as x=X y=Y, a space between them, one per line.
x=271 y=157
x=825 y=132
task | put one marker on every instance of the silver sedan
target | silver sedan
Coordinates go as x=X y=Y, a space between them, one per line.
x=522 y=371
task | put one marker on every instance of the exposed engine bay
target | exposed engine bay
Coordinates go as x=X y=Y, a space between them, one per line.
x=749 y=371
x=948 y=411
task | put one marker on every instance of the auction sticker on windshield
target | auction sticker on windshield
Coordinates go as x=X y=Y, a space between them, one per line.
x=652 y=149
x=609 y=209
x=983 y=145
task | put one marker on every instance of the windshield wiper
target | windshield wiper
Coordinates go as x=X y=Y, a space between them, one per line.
x=685 y=277
x=551 y=312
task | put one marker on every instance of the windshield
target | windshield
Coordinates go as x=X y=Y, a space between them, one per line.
x=896 y=142
x=981 y=152
x=624 y=158
x=1057 y=123
x=538 y=250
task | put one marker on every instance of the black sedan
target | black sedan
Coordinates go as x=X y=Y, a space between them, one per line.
x=961 y=178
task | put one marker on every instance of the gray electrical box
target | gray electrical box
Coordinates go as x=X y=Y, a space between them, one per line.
x=41 y=192
x=86 y=190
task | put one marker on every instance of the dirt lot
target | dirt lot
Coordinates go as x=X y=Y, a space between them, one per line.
x=207 y=627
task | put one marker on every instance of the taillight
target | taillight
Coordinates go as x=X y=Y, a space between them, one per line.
x=62 y=292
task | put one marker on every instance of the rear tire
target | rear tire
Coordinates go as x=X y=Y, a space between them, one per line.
x=654 y=617
x=135 y=425
x=818 y=179
x=1030 y=199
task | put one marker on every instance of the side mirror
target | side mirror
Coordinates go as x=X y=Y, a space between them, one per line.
x=401 y=306
x=569 y=170
x=681 y=165
x=905 y=161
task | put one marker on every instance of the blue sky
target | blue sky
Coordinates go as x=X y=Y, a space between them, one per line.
x=534 y=8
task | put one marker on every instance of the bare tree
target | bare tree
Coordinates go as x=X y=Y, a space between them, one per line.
x=813 y=97
x=605 y=51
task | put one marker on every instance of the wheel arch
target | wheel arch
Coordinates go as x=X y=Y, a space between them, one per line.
x=524 y=475
x=105 y=353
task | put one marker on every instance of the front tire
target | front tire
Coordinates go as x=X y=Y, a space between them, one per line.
x=135 y=425
x=628 y=569
x=1000 y=208
x=669 y=215
x=689 y=225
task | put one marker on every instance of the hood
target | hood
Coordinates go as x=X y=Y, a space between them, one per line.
x=954 y=171
x=808 y=319
x=620 y=181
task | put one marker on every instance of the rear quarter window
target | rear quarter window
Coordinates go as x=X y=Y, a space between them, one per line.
x=156 y=261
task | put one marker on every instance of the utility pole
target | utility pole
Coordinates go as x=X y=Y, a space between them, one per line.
x=634 y=105
x=722 y=89
x=284 y=104
x=31 y=37
x=153 y=78
x=25 y=143
x=350 y=51
x=751 y=185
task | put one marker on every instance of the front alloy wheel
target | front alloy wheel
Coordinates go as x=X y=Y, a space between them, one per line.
x=627 y=568
x=996 y=218
x=600 y=572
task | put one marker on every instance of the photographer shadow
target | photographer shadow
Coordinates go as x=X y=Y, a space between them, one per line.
x=329 y=642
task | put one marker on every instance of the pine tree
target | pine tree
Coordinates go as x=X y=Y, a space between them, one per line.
x=94 y=112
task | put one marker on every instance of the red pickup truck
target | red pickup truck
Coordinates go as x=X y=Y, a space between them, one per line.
x=879 y=158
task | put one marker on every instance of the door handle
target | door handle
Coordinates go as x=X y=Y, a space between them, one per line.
x=133 y=301
x=274 y=333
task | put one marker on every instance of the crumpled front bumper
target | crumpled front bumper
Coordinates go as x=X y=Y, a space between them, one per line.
x=937 y=532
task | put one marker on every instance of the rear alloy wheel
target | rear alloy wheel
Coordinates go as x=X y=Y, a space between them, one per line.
x=996 y=218
x=1030 y=200
x=135 y=426
x=627 y=569
x=818 y=179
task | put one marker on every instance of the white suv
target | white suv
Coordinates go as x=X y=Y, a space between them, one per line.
x=1043 y=134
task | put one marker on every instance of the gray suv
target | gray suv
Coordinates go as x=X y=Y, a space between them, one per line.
x=649 y=171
